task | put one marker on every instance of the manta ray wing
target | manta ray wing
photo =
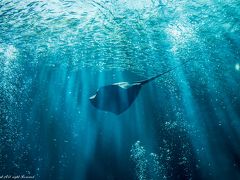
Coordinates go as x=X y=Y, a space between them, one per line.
x=115 y=98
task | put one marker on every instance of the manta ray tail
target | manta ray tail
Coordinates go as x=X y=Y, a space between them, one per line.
x=154 y=77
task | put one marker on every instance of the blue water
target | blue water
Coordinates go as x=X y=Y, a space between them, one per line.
x=55 y=54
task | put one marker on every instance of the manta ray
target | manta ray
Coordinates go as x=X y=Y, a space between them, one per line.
x=118 y=97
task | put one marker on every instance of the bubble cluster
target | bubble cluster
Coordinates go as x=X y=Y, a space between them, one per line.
x=147 y=164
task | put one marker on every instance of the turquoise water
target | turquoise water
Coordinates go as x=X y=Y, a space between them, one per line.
x=55 y=54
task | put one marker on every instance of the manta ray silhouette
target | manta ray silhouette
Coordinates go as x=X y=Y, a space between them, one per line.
x=118 y=97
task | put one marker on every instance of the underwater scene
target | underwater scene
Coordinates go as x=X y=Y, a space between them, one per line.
x=120 y=89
